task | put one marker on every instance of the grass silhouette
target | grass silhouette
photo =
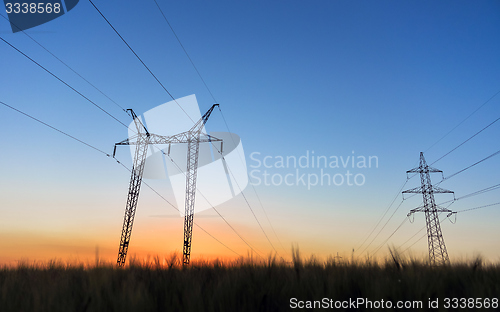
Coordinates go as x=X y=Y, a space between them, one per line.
x=243 y=285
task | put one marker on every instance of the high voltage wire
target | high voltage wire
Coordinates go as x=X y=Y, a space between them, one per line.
x=225 y=122
x=62 y=81
x=101 y=151
x=272 y=227
x=465 y=141
x=400 y=225
x=253 y=187
x=69 y=67
x=488 y=189
x=491 y=98
x=381 y=218
x=466 y=168
x=385 y=224
x=248 y=204
x=480 y=207
x=54 y=128
x=409 y=239
x=182 y=46
x=227 y=126
x=220 y=215
x=140 y=60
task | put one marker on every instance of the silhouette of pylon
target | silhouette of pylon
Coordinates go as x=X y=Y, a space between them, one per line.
x=438 y=255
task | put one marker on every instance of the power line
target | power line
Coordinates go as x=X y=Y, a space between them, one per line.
x=211 y=94
x=466 y=168
x=140 y=60
x=491 y=98
x=400 y=225
x=268 y=220
x=465 y=141
x=250 y=207
x=383 y=215
x=480 y=207
x=385 y=224
x=488 y=189
x=69 y=67
x=64 y=82
x=182 y=46
x=54 y=128
x=413 y=237
x=243 y=195
x=220 y=215
x=253 y=187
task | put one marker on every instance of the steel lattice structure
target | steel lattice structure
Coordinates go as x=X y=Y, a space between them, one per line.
x=438 y=255
x=193 y=137
x=134 y=187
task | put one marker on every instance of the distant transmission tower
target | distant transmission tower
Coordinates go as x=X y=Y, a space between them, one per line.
x=193 y=137
x=437 y=249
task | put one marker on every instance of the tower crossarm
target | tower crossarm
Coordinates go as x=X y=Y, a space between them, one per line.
x=436 y=189
x=184 y=137
x=416 y=190
x=420 y=169
x=423 y=209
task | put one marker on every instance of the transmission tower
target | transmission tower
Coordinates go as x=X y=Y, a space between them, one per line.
x=193 y=137
x=437 y=249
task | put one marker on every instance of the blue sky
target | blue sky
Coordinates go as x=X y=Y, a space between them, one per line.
x=385 y=78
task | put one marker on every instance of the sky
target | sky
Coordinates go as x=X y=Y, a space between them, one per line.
x=386 y=79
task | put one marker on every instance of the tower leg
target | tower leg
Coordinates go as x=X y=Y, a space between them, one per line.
x=133 y=196
x=192 y=169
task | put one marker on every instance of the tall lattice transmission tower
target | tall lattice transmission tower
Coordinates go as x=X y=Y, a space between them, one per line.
x=437 y=249
x=142 y=139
